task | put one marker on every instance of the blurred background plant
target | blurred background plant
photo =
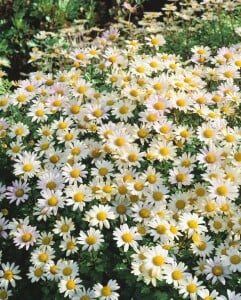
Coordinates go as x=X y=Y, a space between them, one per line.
x=21 y=20
x=183 y=24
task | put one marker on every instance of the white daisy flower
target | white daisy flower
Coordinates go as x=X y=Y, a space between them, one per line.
x=126 y=236
x=91 y=240
x=9 y=274
x=108 y=291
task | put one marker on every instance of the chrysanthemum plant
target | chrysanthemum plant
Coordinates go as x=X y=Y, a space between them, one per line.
x=121 y=172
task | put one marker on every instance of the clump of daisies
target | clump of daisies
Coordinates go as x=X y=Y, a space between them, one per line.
x=124 y=162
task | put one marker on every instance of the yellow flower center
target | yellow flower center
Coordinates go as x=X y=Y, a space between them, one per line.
x=120 y=141
x=124 y=110
x=49 y=82
x=112 y=59
x=46 y=132
x=54 y=158
x=107 y=189
x=19 y=131
x=181 y=177
x=235 y=259
x=78 y=197
x=151 y=117
x=3 y=102
x=141 y=82
x=237 y=156
x=98 y=113
x=186 y=163
x=159 y=105
x=80 y=56
x=164 y=151
x=21 y=98
x=216 y=98
x=26 y=237
x=46 y=240
x=3 y=294
x=202 y=246
x=67 y=271
x=101 y=216
x=70 y=284
x=132 y=157
x=70 y=245
x=106 y=291
x=30 y=88
x=121 y=209
x=144 y=213
x=191 y=288
x=155 y=41
x=75 y=151
x=65 y=228
x=210 y=158
x=200 y=51
x=151 y=178
x=103 y=171
x=201 y=100
x=43 y=257
x=134 y=93
x=113 y=78
x=68 y=136
x=38 y=272
x=19 y=193
x=44 y=146
x=51 y=185
x=153 y=64
x=53 y=269
x=228 y=74
x=176 y=275
x=127 y=177
x=230 y=138
x=158 y=260
x=208 y=133
x=62 y=125
x=181 y=102
x=200 y=192
x=52 y=201
x=209 y=207
x=85 y=297
x=127 y=237
x=222 y=190
x=217 y=224
x=180 y=204
x=208 y=298
x=173 y=229
x=16 y=149
x=8 y=275
x=122 y=190
x=157 y=196
x=75 y=109
x=185 y=134
x=39 y=113
x=158 y=86
x=91 y=240
x=164 y=129
x=138 y=186
x=75 y=173
x=217 y=270
x=193 y=224
x=142 y=133
x=161 y=229
x=96 y=152
x=81 y=89
x=140 y=69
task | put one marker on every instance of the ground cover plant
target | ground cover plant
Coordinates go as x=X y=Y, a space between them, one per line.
x=120 y=162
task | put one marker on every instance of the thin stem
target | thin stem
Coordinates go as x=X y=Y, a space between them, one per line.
x=219 y=14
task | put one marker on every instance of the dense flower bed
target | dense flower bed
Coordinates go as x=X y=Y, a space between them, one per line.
x=126 y=165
